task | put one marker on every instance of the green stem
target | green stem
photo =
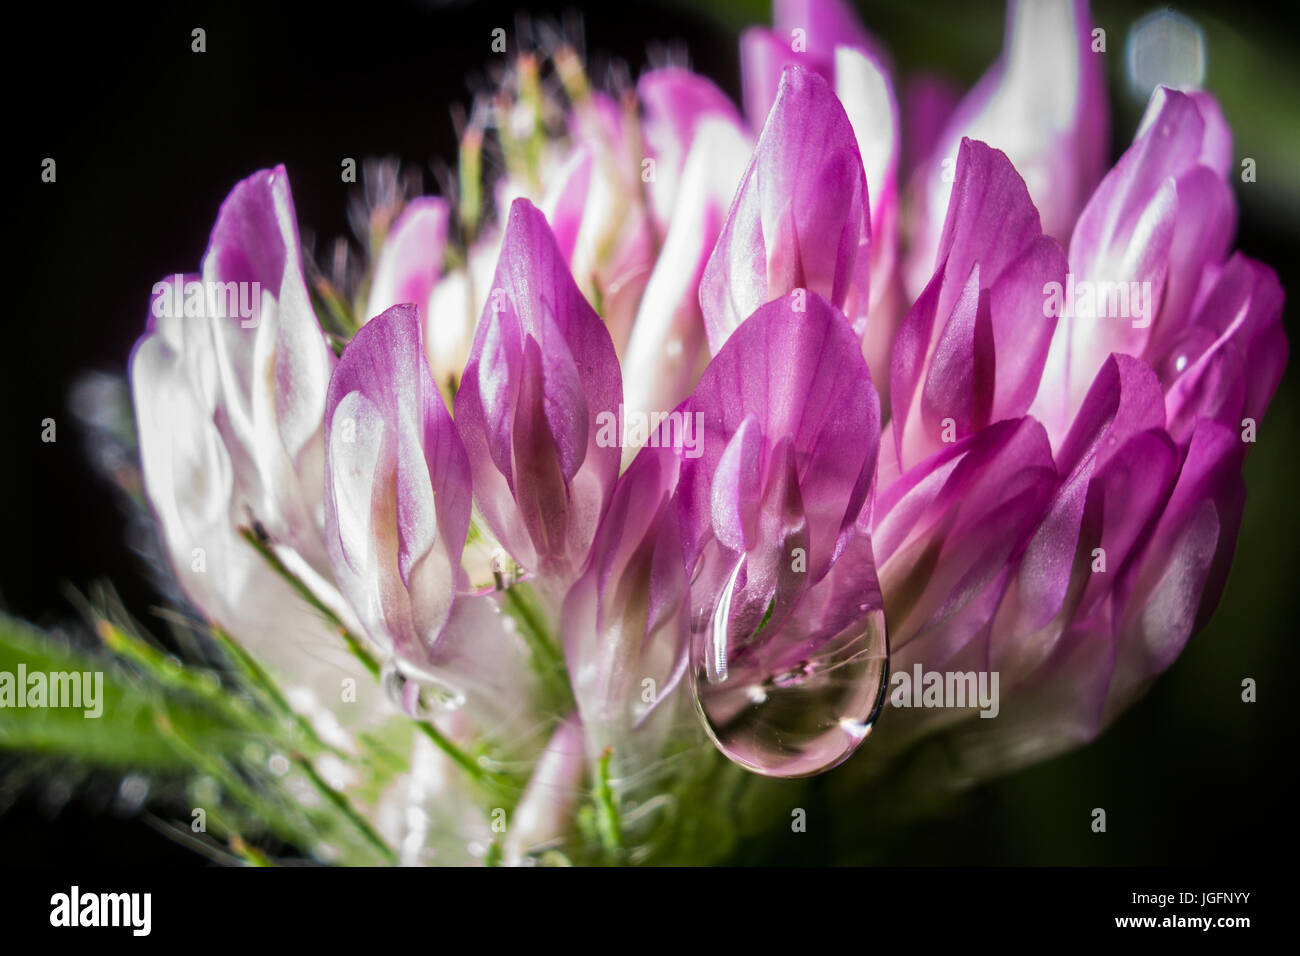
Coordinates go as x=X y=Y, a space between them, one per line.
x=547 y=659
x=213 y=693
x=361 y=653
x=496 y=785
x=344 y=806
x=169 y=675
x=249 y=853
x=490 y=782
x=259 y=678
x=608 y=818
x=282 y=825
x=264 y=549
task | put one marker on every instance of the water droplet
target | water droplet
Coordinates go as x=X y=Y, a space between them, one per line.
x=419 y=700
x=1189 y=348
x=795 y=697
x=206 y=790
x=1164 y=48
x=132 y=793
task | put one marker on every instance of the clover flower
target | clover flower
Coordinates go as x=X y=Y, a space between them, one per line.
x=710 y=419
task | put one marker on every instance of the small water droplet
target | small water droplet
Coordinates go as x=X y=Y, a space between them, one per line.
x=1188 y=349
x=206 y=790
x=1164 y=48
x=132 y=793
x=416 y=699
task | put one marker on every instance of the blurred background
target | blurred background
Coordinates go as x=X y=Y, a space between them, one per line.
x=149 y=138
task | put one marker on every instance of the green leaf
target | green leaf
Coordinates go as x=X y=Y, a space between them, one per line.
x=124 y=735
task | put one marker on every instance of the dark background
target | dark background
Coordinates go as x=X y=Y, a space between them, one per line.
x=150 y=137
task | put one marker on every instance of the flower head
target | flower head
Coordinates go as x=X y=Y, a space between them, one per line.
x=707 y=430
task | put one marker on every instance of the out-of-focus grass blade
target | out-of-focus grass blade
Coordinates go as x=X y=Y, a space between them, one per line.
x=124 y=735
